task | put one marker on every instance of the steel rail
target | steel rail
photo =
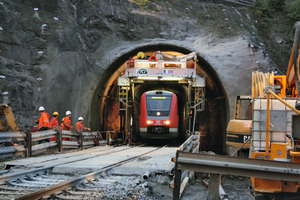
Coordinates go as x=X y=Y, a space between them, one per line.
x=274 y=170
x=69 y=183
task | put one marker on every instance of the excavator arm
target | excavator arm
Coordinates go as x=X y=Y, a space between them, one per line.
x=7 y=111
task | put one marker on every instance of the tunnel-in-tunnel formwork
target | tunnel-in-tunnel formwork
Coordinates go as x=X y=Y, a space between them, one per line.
x=212 y=122
x=160 y=72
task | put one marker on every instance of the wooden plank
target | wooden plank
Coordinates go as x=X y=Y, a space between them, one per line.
x=183 y=185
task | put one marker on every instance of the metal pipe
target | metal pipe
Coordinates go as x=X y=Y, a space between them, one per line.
x=268 y=124
x=146 y=175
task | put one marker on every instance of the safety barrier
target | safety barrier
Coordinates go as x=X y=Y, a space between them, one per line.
x=217 y=165
x=31 y=143
x=9 y=140
x=192 y=145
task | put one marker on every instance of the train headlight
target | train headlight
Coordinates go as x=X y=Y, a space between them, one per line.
x=167 y=122
x=158 y=113
x=149 y=122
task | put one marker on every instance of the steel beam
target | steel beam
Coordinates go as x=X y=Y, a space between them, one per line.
x=274 y=170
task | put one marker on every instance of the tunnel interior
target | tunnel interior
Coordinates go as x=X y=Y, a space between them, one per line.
x=211 y=122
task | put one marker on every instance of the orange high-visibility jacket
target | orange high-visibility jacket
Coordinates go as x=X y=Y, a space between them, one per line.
x=62 y=126
x=153 y=58
x=79 y=126
x=44 y=120
x=67 y=123
x=54 y=123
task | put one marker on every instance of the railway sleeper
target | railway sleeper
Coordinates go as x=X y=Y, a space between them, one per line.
x=70 y=197
x=88 y=193
x=14 y=188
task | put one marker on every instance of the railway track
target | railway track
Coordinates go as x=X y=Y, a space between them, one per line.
x=45 y=183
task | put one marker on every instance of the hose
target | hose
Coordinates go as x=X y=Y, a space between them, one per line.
x=2 y=166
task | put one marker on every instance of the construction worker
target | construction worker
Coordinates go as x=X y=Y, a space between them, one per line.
x=79 y=126
x=67 y=121
x=140 y=55
x=130 y=62
x=62 y=124
x=159 y=55
x=54 y=122
x=44 y=123
x=153 y=58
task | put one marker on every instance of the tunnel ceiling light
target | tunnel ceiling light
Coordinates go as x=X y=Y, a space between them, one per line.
x=147 y=78
x=172 y=78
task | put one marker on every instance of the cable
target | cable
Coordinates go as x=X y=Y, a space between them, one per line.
x=2 y=166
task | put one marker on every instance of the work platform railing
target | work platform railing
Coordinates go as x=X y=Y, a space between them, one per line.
x=29 y=143
x=160 y=68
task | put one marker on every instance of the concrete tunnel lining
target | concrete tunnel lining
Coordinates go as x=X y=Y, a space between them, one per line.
x=215 y=92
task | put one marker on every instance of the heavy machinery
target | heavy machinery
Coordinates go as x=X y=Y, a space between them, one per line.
x=274 y=124
x=239 y=128
x=276 y=121
x=6 y=111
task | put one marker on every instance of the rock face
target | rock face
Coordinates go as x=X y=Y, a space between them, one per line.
x=59 y=53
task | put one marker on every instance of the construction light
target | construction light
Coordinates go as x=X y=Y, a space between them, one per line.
x=172 y=78
x=147 y=78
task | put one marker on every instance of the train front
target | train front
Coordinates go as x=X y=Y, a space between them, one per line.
x=159 y=115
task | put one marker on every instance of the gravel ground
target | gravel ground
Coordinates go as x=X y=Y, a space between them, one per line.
x=156 y=187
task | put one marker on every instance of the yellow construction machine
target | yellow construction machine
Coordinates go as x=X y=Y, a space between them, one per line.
x=239 y=128
x=7 y=118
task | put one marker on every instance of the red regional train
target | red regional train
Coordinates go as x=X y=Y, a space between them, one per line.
x=159 y=117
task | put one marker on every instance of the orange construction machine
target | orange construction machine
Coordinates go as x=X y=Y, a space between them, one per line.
x=276 y=120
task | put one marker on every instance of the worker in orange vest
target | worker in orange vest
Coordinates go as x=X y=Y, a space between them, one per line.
x=54 y=123
x=67 y=121
x=153 y=58
x=62 y=124
x=79 y=126
x=44 y=123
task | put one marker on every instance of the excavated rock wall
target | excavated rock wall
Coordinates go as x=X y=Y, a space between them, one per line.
x=55 y=52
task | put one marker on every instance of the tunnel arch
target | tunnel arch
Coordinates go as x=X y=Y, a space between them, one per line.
x=215 y=117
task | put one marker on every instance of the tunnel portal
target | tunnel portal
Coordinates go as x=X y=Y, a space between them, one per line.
x=211 y=122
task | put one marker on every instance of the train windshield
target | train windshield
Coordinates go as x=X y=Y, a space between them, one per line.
x=159 y=103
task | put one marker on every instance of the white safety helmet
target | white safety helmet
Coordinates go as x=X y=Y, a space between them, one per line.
x=80 y=118
x=68 y=112
x=41 y=108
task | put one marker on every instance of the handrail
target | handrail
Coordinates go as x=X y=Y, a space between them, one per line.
x=29 y=143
